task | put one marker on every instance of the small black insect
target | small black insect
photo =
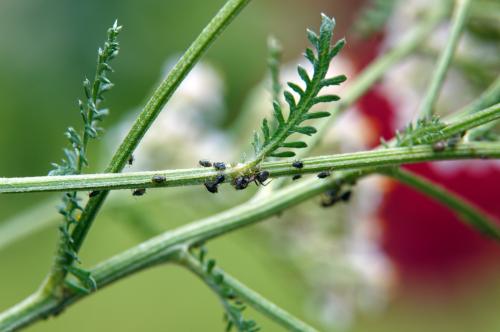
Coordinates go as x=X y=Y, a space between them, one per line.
x=298 y=164
x=220 y=178
x=158 y=179
x=94 y=193
x=323 y=174
x=205 y=163
x=262 y=176
x=130 y=160
x=327 y=202
x=241 y=182
x=329 y=198
x=454 y=140
x=211 y=186
x=139 y=192
x=439 y=146
x=296 y=177
x=346 y=196
x=220 y=166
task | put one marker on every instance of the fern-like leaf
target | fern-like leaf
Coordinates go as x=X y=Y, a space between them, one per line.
x=233 y=307
x=274 y=142
x=75 y=158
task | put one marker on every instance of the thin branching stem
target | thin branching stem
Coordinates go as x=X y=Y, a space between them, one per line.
x=445 y=58
x=249 y=296
x=464 y=209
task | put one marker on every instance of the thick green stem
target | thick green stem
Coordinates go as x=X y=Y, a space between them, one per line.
x=159 y=98
x=196 y=176
x=445 y=58
x=464 y=209
x=247 y=295
x=375 y=158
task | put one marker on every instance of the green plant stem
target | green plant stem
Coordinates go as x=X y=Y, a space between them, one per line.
x=464 y=209
x=153 y=107
x=374 y=158
x=196 y=176
x=163 y=247
x=250 y=297
x=445 y=58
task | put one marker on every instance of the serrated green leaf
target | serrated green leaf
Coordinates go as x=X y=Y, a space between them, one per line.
x=265 y=130
x=278 y=114
x=325 y=99
x=313 y=38
x=303 y=75
x=296 y=145
x=309 y=55
x=307 y=130
x=333 y=81
x=326 y=32
x=210 y=265
x=337 y=48
x=290 y=100
x=315 y=115
x=283 y=154
x=296 y=88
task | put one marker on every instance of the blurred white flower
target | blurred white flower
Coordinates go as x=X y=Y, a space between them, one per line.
x=186 y=129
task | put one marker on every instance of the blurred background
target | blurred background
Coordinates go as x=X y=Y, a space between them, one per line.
x=392 y=260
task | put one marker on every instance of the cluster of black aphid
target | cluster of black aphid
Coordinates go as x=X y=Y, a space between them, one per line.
x=240 y=182
x=333 y=196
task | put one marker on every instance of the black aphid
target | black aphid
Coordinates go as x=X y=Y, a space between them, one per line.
x=346 y=196
x=211 y=186
x=330 y=197
x=298 y=164
x=296 y=177
x=130 y=160
x=439 y=146
x=94 y=193
x=262 y=176
x=139 y=192
x=323 y=174
x=158 y=179
x=205 y=163
x=327 y=202
x=220 y=166
x=220 y=178
x=241 y=182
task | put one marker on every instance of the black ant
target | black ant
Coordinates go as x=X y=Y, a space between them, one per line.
x=158 y=179
x=296 y=177
x=298 y=164
x=205 y=163
x=139 y=192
